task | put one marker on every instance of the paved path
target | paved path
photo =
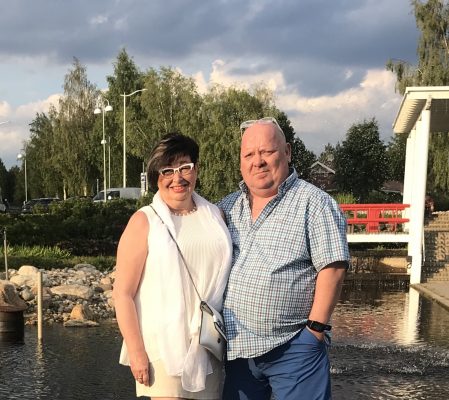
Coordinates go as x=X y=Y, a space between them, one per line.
x=438 y=291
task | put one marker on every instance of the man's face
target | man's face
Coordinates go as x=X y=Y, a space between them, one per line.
x=264 y=158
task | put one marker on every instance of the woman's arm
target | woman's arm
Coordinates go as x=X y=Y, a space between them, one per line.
x=131 y=255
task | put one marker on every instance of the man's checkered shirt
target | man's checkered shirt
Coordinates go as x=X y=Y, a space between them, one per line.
x=275 y=263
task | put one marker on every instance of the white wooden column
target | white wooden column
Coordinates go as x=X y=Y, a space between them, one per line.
x=408 y=177
x=419 y=160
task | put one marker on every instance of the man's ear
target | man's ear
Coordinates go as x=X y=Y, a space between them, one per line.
x=288 y=152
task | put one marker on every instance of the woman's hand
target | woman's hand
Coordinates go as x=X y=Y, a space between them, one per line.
x=139 y=365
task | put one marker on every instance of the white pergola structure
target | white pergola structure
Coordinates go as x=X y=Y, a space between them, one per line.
x=423 y=110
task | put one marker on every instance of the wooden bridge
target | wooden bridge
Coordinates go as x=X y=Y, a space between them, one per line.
x=376 y=222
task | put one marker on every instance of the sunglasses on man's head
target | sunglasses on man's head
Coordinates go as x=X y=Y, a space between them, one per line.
x=264 y=121
x=183 y=170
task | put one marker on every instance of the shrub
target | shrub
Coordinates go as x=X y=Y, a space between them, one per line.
x=78 y=226
x=344 y=198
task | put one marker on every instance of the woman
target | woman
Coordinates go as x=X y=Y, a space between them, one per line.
x=158 y=310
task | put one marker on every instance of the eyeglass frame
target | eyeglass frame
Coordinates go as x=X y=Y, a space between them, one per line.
x=264 y=121
x=178 y=170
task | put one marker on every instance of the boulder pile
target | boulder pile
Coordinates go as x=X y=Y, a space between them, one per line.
x=78 y=296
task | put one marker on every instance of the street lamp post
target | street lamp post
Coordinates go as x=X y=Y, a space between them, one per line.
x=22 y=157
x=124 y=95
x=101 y=108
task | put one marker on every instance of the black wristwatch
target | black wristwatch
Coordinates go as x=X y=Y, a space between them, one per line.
x=318 y=326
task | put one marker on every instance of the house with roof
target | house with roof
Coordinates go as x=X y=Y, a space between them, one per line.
x=322 y=176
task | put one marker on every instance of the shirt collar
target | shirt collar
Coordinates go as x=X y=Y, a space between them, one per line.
x=283 y=187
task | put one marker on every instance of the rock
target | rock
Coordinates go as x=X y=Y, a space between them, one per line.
x=106 y=281
x=81 y=311
x=88 y=268
x=26 y=294
x=78 y=294
x=10 y=301
x=46 y=296
x=24 y=280
x=78 y=291
x=111 y=302
x=27 y=270
x=98 y=289
x=80 y=323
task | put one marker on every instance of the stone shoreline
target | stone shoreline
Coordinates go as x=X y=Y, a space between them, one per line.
x=78 y=296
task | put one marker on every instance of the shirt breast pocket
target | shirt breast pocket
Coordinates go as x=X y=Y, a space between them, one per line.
x=280 y=243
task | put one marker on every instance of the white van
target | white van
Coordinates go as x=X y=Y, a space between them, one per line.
x=119 y=193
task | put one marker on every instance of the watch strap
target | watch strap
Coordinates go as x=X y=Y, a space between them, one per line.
x=318 y=326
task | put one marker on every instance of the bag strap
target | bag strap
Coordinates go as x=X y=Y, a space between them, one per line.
x=180 y=253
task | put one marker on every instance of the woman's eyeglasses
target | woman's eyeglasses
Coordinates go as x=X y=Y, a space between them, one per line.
x=263 y=121
x=183 y=170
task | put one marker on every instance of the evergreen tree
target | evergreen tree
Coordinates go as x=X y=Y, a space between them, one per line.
x=126 y=79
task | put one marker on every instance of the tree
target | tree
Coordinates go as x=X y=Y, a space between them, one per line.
x=360 y=161
x=222 y=112
x=302 y=159
x=11 y=185
x=327 y=156
x=396 y=157
x=170 y=103
x=432 y=19
x=45 y=181
x=76 y=143
x=126 y=79
x=3 y=179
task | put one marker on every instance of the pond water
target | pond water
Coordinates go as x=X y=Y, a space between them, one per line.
x=387 y=344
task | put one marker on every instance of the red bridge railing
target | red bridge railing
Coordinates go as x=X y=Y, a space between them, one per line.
x=374 y=218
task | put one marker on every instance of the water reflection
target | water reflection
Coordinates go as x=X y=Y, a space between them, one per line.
x=70 y=364
x=388 y=344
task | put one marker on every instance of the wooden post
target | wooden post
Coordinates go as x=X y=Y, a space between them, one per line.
x=39 y=305
x=5 y=252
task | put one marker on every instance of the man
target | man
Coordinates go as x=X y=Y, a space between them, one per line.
x=290 y=255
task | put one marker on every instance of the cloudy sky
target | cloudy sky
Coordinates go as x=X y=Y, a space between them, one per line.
x=324 y=60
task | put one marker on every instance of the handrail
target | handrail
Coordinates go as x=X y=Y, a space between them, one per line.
x=375 y=218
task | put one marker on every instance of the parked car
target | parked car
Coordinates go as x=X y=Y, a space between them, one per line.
x=43 y=202
x=119 y=193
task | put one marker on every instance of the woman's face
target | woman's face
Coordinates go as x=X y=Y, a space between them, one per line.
x=177 y=187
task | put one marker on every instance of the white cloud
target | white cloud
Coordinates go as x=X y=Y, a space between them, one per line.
x=98 y=20
x=323 y=119
x=14 y=134
x=28 y=111
x=222 y=73
x=326 y=119
x=5 y=109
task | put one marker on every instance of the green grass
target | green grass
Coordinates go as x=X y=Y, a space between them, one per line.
x=51 y=258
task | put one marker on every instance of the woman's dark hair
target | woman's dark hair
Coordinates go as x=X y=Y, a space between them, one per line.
x=171 y=147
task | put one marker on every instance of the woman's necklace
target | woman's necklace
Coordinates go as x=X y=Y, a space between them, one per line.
x=183 y=214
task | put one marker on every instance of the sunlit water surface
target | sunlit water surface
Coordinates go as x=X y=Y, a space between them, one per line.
x=387 y=344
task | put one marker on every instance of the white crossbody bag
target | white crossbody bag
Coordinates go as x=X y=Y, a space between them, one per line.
x=212 y=332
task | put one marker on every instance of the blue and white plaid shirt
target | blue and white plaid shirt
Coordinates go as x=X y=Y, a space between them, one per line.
x=275 y=263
